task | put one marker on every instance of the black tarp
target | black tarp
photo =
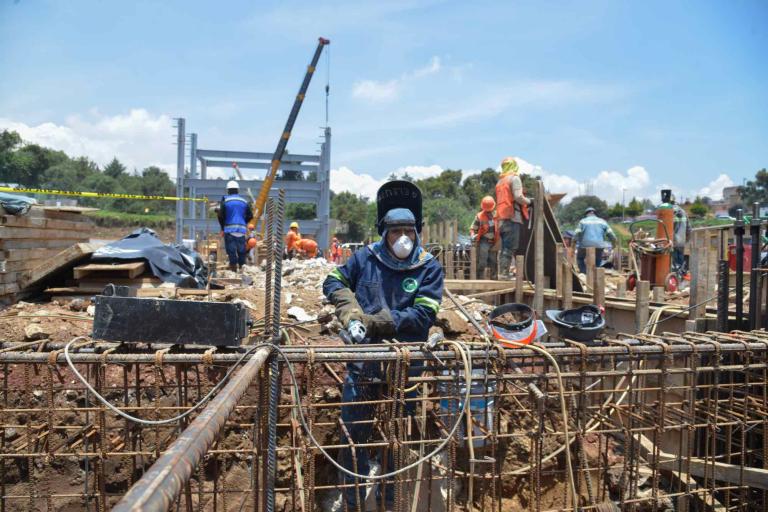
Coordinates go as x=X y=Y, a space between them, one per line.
x=171 y=263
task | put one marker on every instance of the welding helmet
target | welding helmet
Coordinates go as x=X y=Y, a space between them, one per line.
x=582 y=324
x=394 y=195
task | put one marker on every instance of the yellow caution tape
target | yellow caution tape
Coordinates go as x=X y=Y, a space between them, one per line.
x=98 y=194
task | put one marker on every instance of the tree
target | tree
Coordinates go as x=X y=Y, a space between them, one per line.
x=615 y=211
x=572 y=212
x=352 y=210
x=755 y=191
x=634 y=208
x=477 y=186
x=699 y=209
x=114 y=169
x=300 y=211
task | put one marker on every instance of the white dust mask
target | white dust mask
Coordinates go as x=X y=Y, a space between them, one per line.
x=402 y=247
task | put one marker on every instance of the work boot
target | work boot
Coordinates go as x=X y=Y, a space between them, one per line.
x=233 y=267
x=505 y=261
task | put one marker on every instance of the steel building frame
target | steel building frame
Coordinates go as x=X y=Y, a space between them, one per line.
x=191 y=221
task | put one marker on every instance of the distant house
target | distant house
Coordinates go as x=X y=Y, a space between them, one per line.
x=731 y=196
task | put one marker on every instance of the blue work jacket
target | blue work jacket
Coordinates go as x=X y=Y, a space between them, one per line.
x=412 y=290
x=235 y=212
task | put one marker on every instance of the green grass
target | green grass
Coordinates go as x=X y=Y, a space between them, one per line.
x=108 y=218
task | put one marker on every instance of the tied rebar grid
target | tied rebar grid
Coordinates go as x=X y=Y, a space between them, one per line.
x=672 y=422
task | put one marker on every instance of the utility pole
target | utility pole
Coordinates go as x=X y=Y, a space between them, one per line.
x=622 y=204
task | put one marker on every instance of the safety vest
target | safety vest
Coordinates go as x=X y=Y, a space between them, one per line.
x=235 y=208
x=505 y=199
x=290 y=240
x=485 y=221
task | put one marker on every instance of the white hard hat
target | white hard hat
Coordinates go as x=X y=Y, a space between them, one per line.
x=232 y=184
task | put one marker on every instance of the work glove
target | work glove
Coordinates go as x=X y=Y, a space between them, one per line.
x=347 y=307
x=380 y=325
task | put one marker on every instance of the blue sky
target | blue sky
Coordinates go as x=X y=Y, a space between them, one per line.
x=631 y=95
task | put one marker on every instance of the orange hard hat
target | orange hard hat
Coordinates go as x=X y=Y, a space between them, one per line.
x=251 y=226
x=488 y=204
x=251 y=243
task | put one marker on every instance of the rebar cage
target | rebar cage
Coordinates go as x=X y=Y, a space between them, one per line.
x=671 y=422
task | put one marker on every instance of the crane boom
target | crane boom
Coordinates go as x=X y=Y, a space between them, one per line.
x=283 y=142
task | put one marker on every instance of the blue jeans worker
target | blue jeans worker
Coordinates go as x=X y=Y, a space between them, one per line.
x=234 y=215
x=591 y=232
x=394 y=288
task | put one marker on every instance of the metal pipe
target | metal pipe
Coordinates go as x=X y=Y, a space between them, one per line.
x=754 y=302
x=722 y=296
x=739 y=232
x=161 y=484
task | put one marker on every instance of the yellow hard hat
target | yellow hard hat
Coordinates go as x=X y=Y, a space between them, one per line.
x=294 y=225
x=508 y=165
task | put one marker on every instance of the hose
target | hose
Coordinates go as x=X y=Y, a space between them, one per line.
x=142 y=421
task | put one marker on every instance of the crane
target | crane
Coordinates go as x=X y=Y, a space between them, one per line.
x=261 y=200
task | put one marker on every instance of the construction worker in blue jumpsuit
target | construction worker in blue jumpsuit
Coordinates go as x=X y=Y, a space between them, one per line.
x=234 y=215
x=394 y=287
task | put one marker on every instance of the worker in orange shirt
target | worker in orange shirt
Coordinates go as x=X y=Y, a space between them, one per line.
x=484 y=233
x=291 y=239
x=335 y=251
x=306 y=248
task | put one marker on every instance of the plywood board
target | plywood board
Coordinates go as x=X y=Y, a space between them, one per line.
x=131 y=269
x=44 y=223
x=65 y=259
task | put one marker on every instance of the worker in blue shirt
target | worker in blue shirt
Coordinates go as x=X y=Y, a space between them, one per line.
x=592 y=232
x=394 y=288
x=234 y=215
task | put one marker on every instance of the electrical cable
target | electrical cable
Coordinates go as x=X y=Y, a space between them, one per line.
x=142 y=421
x=463 y=353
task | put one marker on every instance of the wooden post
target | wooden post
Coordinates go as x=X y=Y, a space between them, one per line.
x=621 y=289
x=704 y=255
x=454 y=231
x=519 y=281
x=449 y=262
x=590 y=261
x=473 y=262
x=559 y=271
x=598 y=294
x=538 y=264
x=690 y=325
x=425 y=234
x=642 y=289
x=567 y=285
x=658 y=294
x=618 y=259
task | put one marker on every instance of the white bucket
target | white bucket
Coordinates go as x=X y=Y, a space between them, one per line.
x=482 y=404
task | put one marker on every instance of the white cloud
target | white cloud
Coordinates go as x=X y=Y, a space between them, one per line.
x=345 y=179
x=714 y=189
x=388 y=90
x=138 y=138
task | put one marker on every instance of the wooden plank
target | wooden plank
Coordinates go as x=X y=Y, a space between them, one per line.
x=451 y=271
x=69 y=209
x=559 y=272
x=65 y=258
x=473 y=263
x=44 y=223
x=10 y=277
x=598 y=288
x=131 y=269
x=470 y=285
x=9 y=288
x=519 y=278
x=9 y=233
x=590 y=261
x=37 y=243
x=567 y=285
x=621 y=288
x=28 y=264
x=27 y=254
x=73 y=290
x=538 y=234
